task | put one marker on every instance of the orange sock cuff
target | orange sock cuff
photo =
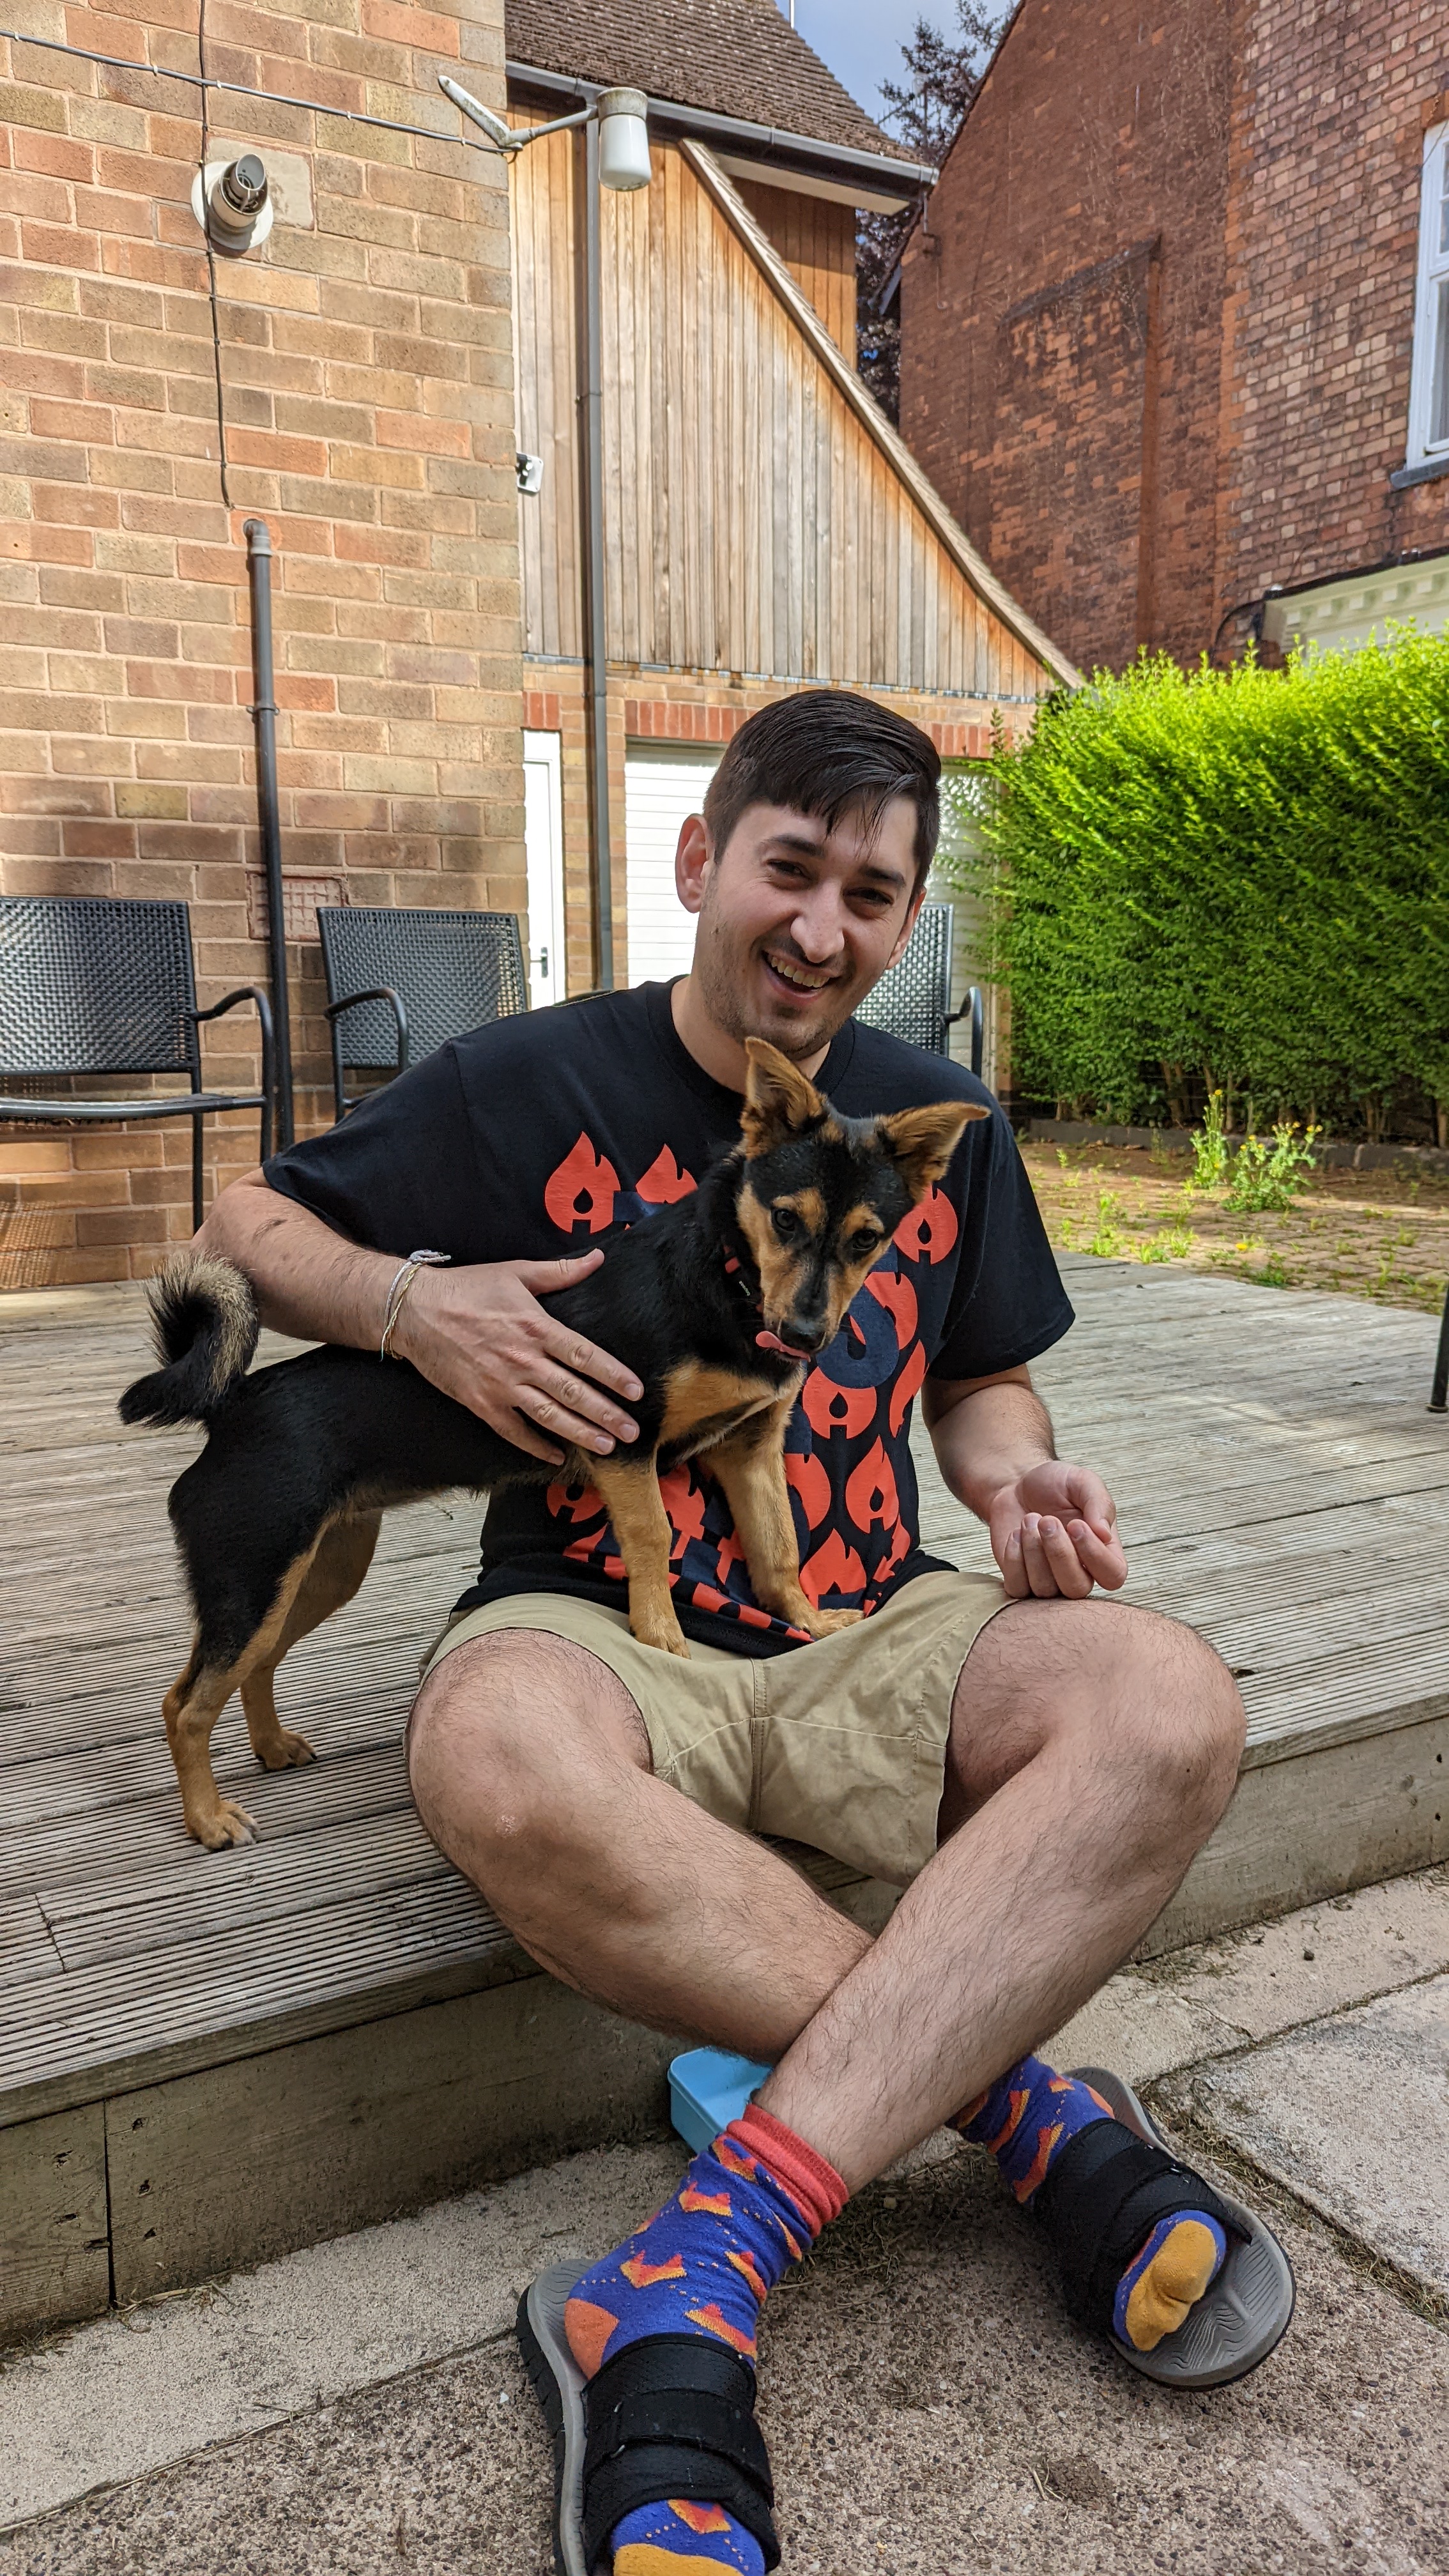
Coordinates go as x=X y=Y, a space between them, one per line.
x=812 y=2183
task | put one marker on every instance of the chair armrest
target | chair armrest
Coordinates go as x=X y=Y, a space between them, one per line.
x=380 y=993
x=253 y=993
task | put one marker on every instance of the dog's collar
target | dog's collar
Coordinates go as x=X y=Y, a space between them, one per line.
x=738 y=1268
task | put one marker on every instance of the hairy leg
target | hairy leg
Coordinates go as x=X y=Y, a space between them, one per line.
x=530 y=1767
x=1099 y=1746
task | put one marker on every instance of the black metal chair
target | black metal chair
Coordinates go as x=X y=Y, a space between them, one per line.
x=400 y=984
x=92 y=986
x=913 y=998
x=1439 y=1394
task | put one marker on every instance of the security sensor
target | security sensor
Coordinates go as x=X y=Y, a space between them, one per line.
x=232 y=203
x=530 y=472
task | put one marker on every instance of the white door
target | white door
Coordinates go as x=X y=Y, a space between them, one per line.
x=662 y=788
x=543 y=841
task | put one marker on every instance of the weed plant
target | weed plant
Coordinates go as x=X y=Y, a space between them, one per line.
x=1266 y=1179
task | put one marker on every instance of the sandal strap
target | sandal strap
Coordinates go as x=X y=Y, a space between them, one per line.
x=674 y=2416
x=1104 y=2192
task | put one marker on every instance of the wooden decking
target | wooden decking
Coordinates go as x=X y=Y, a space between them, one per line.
x=207 y=2058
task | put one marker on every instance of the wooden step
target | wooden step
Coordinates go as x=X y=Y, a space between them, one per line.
x=206 y=2058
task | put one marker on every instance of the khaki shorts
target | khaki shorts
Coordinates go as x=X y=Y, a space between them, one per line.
x=840 y=1744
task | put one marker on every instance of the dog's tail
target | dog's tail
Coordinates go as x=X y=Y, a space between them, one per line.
x=204 y=1320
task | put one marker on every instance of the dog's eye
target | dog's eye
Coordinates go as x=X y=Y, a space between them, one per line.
x=785 y=1222
x=867 y=1240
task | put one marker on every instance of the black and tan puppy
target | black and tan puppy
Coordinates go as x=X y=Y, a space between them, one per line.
x=717 y=1304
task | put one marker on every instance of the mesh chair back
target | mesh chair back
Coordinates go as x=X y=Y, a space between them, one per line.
x=89 y=985
x=454 y=970
x=913 y=997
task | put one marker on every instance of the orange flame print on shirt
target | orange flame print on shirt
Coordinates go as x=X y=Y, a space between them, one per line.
x=829 y=1407
x=581 y=1190
x=833 y=1568
x=930 y=1231
x=870 y=1492
x=664 y=1182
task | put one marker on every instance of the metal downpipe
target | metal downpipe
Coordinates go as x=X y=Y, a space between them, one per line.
x=264 y=720
x=591 y=444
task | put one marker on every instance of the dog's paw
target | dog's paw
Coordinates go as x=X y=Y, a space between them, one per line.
x=824 y=1623
x=224 y=1824
x=668 y=1640
x=287 y=1752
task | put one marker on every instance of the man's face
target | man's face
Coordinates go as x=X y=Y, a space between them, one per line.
x=797 y=923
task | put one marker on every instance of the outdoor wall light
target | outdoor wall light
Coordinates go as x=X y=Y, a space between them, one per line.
x=232 y=203
x=621 y=117
x=623 y=140
x=530 y=472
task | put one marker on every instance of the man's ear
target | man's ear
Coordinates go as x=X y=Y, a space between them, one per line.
x=692 y=857
x=779 y=1102
x=922 y=1141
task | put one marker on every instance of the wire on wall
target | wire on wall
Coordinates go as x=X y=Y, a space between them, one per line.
x=211 y=255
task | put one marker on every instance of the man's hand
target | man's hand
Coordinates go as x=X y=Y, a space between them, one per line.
x=481 y=1336
x=1054 y=1534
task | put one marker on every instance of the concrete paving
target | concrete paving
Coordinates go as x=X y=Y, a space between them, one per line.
x=1352 y=2114
x=360 y=2407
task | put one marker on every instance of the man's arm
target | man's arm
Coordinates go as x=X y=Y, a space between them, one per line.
x=1053 y=1526
x=478 y=1333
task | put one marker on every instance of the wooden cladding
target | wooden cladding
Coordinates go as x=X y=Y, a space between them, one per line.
x=816 y=241
x=754 y=524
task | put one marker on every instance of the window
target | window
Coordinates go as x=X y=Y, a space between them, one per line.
x=1429 y=394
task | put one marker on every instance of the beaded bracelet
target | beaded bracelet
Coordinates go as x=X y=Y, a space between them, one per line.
x=402 y=1280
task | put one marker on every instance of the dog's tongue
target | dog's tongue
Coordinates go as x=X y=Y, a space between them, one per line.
x=771 y=1342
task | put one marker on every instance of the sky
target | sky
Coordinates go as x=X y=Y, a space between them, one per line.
x=861 y=39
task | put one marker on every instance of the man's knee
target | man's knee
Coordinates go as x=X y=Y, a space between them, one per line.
x=1172 y=1713
x=505 y=1735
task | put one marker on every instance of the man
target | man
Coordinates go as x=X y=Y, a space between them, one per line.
x=1034 y=1766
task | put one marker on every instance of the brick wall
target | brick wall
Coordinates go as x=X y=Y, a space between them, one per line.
x=1328 y=125
x=1061 y=319
x=366 y=368
x=1156 y=337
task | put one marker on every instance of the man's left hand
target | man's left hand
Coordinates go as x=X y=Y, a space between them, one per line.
x=1054 y=1534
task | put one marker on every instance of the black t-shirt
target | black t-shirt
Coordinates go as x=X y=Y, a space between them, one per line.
x=540 y=1134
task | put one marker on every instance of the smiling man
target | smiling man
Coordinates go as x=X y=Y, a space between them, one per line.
x=1035 y=1767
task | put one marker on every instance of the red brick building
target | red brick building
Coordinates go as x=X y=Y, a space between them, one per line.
x=1175 y=327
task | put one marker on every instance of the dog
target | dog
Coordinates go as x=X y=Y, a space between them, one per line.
x=718 y=1303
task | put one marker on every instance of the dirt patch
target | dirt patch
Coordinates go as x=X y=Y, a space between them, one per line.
x=1387 y=1239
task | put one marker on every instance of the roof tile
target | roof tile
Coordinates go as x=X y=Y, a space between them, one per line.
x=736 y=57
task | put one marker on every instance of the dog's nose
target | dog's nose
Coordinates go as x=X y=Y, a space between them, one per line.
x=806 y=1338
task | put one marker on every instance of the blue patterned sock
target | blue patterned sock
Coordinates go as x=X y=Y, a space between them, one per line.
x=1024 y=2119
x=747 y=2209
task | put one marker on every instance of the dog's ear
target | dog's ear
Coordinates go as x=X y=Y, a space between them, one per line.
x=921 y=1142
x=779 y=1102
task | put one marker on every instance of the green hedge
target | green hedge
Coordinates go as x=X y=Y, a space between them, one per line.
x=1235 y=878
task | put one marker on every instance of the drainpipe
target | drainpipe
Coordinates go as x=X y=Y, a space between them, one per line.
x=591 y=422
x=264 y=718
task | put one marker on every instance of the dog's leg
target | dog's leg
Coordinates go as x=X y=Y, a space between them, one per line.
x=334 y=1575
x=641 y=1525
x=195 y=1702
x=750 y=1466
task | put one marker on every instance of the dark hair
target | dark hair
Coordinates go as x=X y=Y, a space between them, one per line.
x=828 y=753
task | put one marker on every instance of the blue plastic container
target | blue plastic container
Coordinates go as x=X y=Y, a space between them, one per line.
x=707 y=2089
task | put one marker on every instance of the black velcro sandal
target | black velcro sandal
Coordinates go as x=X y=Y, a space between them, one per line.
x=1104 y=2193
x=669 y=2416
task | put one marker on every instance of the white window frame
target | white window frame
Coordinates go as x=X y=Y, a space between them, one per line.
x=1431 y=301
